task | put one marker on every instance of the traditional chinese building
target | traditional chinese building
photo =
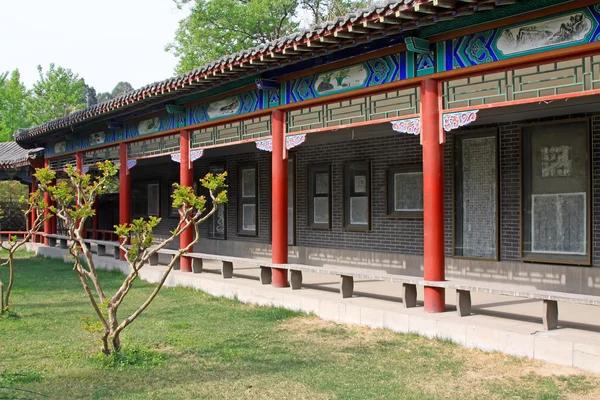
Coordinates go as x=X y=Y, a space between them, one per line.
x=17 y=164
x=450 y=138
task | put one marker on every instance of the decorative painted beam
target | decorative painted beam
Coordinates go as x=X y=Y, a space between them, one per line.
x=131 y=164
x=265 y=145
x=174 y=109
x=294 y=141
x=412 y=126
x=417 y=45
x=85 y=169
x=457 y=120
x=266 y=84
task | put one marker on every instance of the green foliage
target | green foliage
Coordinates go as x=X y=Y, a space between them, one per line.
x=120 y=89
x=13 y=113
x=57 y=93
x=12 y=377
x=216 y=28
x=133 y=357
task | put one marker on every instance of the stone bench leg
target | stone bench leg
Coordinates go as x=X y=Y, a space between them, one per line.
x=296 y=279
x=196 y=265
x=227 y=270
x=116 y=252
x=409 y=295
x=153 y=259
x=550 y=316
x=266 y=275
x=63 y=244
x=463 y=303
x=52 y=242
x=347 y=286
x=177 y=265
x=101 y=250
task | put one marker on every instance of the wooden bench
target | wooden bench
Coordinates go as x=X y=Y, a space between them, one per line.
x=226 y=263
x=549 y=299
x=101 y=246
x=409 y=284
x=463 y=289
x=53 y=238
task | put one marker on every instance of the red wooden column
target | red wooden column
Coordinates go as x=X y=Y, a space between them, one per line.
x=279 y=200
x=33 y=215
x=48 y=222
x=79 y=167
x=433 y=195
x=186 y=178
x=124 y=189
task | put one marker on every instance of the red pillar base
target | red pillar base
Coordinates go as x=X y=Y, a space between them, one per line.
x=279 y=277
x=435 y=299
x=185 y=264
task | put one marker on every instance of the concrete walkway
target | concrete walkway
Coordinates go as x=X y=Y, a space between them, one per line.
x=498 y=323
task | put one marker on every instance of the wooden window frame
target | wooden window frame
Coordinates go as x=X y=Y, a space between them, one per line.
x=312 y=170
x=147 y=183
x=241 y=202
x=222 y=165
x=347 y=226
x=588 y=228
x=390 y=190
x=471 y=134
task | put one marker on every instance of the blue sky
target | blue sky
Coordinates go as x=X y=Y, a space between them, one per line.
x=104 y=41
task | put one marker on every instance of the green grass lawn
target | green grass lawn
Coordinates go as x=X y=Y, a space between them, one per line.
x=189 y=345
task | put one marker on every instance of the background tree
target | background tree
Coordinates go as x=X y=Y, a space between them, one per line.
x=215 y=28
x=90 y=96
x=13 y=113
x=35 y=203
x=74 y=199
x=58 y=92
x=120 y=89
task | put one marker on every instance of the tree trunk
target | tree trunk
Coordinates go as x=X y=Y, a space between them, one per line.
x=11 y=278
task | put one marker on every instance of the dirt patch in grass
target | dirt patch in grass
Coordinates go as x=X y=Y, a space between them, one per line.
x=316 y=330
x=505 y=376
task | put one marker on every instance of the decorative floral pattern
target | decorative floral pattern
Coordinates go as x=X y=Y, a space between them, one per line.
x=295 y=140
x=456 y=120
x=196 y=154
x=411 y=126
x=265 y=145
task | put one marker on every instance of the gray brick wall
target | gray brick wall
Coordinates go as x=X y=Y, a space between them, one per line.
x=387 y=234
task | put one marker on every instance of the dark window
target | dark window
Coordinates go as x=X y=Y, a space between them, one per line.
x=475 y=196
x=319 y=196
x=405 y=191
x=217 y=223
x=556 y=206
x=357 y=195
x=248 y=200
x=145 y=199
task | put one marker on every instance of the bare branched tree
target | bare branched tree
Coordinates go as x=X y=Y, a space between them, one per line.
x=34 y=204
x=74 y=199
